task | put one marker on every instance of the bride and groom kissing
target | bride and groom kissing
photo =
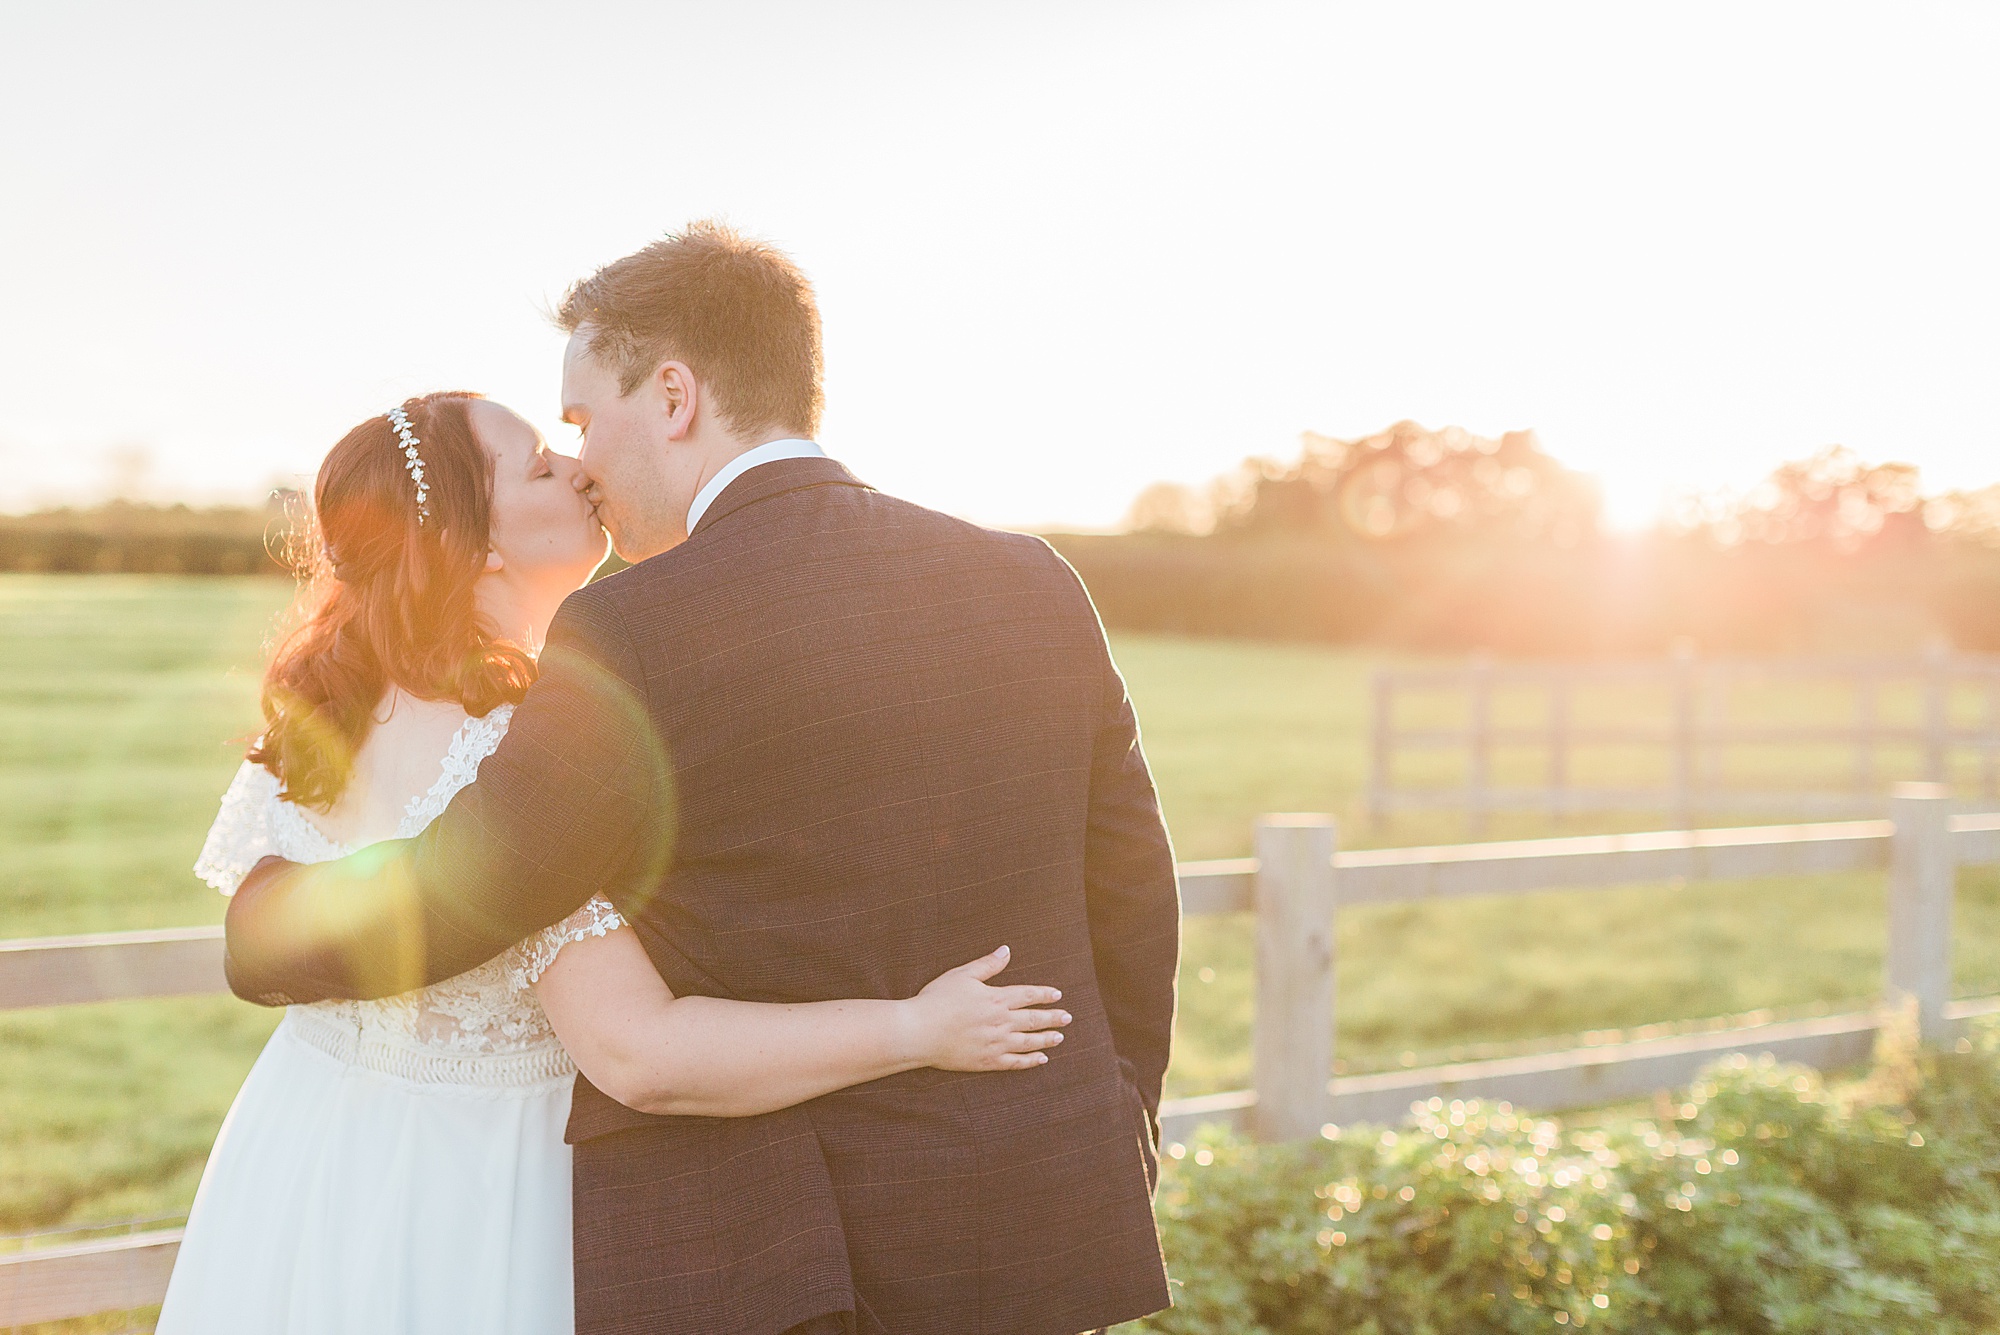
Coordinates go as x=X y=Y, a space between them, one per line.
x=623 y=927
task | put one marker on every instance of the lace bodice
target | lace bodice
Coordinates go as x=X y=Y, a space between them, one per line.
x=483 y=1027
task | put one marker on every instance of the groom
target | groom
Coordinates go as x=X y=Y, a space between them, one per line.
x=816 y=743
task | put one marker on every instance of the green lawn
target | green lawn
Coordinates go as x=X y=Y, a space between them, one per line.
x=119 y=698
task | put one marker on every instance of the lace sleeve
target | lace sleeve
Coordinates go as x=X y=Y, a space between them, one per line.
x=242 y=833
x=532 y=957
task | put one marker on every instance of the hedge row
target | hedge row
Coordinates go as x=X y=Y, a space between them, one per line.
x=1600 y=596
x=79 y=553
x=1766 y=1203
x=144 y=539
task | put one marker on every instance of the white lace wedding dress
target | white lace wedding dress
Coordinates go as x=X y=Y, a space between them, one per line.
x=389 y=1167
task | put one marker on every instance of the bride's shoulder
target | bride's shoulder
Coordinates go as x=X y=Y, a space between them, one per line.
x=252 y=785
x=242 y=832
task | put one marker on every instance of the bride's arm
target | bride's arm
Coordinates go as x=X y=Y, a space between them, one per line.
x=702 y=1056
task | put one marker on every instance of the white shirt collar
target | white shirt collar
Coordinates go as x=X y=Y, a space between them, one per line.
x=768 y=453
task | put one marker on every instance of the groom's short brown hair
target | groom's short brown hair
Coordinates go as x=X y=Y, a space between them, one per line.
x=737 y=311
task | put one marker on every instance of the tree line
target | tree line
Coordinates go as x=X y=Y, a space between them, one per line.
x=1446 y=541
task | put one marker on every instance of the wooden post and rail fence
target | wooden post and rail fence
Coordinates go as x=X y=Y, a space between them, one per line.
x=1678 y=711
x=1296 y=886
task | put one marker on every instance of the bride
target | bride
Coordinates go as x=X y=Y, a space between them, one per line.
x=397 y=1167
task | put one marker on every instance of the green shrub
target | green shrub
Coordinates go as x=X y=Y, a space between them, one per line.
x=1768 y=1203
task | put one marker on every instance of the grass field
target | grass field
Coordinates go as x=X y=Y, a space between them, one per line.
x=119 y=698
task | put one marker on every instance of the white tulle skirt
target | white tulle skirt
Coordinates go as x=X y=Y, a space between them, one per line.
x=344 y=1200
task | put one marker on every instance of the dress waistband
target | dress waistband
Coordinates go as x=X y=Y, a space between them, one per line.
x=542 y=1064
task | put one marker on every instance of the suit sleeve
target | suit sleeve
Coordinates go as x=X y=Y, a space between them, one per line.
x=1132 y=895
x=574 y=802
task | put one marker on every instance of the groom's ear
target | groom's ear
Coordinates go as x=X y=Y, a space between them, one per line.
x=679 y=397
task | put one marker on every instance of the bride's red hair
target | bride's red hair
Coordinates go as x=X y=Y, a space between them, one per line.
x=387 y=601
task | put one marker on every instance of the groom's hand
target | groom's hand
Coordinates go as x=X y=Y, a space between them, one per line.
x=960 y=1023
x=296 y=934
x=243 y=950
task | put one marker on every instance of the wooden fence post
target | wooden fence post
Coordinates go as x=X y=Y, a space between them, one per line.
x=1986 y=742
x=1864 y=733
x=1559 y=695
x=1937 y=710
x=1479 y=759
x=1684 y=758
x=1922 y=879
x=1382 y=756
x=1292 y=1035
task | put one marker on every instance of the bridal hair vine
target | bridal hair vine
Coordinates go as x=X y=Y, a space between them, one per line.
x=413 y=461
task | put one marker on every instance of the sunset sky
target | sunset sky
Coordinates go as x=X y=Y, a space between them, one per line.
x=1063 y=249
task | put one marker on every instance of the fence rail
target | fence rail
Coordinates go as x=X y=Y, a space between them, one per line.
x=110 y=966
x=1692 y=734
x=1296 y=886
x=85 y=1278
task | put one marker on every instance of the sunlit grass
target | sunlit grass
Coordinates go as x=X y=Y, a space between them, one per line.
x=120 y=697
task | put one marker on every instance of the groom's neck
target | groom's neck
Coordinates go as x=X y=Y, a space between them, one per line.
x=730 y=446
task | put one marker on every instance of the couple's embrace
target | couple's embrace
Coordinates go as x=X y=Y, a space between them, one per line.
x=655 y=925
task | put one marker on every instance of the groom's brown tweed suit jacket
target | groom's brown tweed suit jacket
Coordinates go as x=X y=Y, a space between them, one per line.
x=831 y=746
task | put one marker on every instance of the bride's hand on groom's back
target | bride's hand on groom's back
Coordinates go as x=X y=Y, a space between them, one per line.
x=961 y=1022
